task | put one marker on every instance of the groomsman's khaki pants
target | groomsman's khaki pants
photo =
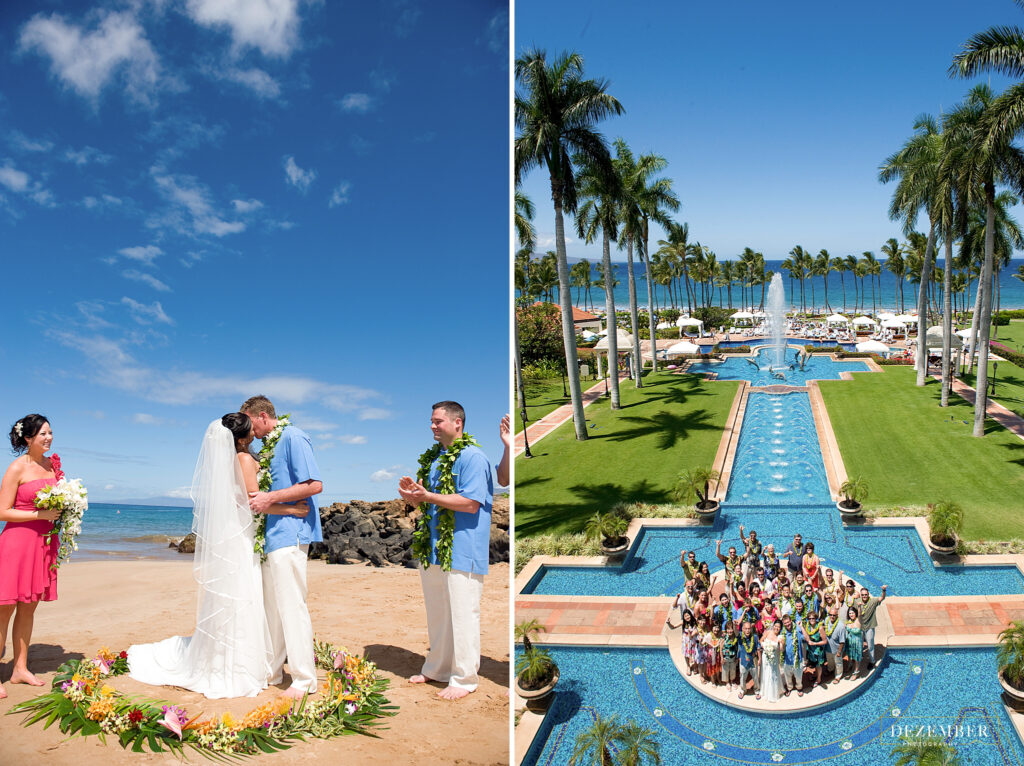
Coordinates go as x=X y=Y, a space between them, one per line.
x=453 y=625
x=291 y=631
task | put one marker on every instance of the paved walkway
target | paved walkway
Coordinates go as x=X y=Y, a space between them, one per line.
x=968 y=619
x=596 y=620
x=994 y=410
x=555 y=418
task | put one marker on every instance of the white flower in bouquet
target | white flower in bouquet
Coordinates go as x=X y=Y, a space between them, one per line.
x=771 y=651
x=70 y=498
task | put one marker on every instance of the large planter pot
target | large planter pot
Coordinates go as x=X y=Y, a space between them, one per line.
x=850 y=513
x=1016 y=695
x=534 y=696
x=942 y=550
x=707 y=515
x=615 y=551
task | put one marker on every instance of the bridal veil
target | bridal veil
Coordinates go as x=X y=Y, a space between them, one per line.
x=228 y=654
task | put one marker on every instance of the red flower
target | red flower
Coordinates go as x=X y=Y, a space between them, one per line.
x=135 y=716
x=123 y=655
x=55 y=461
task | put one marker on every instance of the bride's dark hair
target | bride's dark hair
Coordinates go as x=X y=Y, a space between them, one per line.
x=239 y=425
x=25 y=429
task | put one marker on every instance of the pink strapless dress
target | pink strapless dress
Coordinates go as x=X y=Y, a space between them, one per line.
x=25 y=558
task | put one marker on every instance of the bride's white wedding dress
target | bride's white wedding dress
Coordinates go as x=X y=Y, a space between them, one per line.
x=771 y=670
x=228 y=655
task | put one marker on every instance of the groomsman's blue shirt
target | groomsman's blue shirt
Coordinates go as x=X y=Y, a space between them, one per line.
x=293 y=463
x=471 y=547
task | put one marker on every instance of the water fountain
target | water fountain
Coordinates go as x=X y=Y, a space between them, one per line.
x=777 y=319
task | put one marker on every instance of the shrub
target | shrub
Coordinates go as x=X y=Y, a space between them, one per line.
x=540 y=333
x=945 y=520
x=1007 y=353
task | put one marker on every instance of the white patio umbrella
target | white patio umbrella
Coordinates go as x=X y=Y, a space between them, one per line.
x=863 y=322
x=873 y=347
x=837 y=319
x=664 y=326
x=742 y=315
x=885 y=316
x=683 y=347
x=907 y=318
x=934 y=338
x=964 y=333
x=760 y=315
x=894 y=324
x=588 y=335
x=689 y=322
x=623 y=341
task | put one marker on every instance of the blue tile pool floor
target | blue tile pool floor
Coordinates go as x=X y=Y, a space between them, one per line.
x=913 y=691
x=817 y=368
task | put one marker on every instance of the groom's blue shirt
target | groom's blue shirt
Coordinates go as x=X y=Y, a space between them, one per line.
x=471 y=546
x=293 y=463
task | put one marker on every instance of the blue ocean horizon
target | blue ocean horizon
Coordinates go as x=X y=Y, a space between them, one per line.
x=1011 y=291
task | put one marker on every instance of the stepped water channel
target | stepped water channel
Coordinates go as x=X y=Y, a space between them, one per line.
x=778 y=487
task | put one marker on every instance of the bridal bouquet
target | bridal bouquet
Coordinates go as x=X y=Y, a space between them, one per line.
x=771 y=651
x=69 y=497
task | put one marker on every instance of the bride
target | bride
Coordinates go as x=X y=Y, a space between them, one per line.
x=228 y=655
x=771 y=663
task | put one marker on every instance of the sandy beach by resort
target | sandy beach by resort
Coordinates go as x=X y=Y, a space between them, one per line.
x=378 y=612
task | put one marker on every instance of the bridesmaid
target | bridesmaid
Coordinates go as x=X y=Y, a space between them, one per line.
x=25 y=559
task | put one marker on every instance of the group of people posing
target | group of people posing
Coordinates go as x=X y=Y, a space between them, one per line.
x=773 y=624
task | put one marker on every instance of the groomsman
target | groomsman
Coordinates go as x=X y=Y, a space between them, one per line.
x=452 y=598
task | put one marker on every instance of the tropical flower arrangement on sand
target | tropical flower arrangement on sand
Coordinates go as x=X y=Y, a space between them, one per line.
x=351 y=701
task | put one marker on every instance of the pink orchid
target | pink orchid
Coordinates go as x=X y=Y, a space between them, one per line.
x=173 y=719
x=102 y=665
x=339 y=660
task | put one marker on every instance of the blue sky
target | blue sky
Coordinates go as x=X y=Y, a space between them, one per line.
x=202 y=200
x=774 y=117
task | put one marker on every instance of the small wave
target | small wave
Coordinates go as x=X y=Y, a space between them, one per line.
x=152 y=539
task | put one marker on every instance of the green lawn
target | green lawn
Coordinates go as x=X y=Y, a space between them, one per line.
x=544 y=396
x=1009 y=386
x=672 y=424
x=1011 y=335
x=910 y=451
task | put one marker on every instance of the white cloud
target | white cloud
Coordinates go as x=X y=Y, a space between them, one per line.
x=146 y=279
x=496 y=33
x=340 y=194
x=386 y=474
x=256 y=80
x=175 y=386
x=13 y=179
x=145 y=419
x=142 y=253
x=383 y=79
x=352 y=439
x=186 y=194
x=180 y=492
x=22 y=142
x=107 y=200
x=86 y=155
x=246 y=206
x=90 y=311
x=296 y=176
x=375 y=413
x=147 y=314
x=408 y=15
x=108 y=486
x=87 y=60
x=360 y=103
x=272 y=26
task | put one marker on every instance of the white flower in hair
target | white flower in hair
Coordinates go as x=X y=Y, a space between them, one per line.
x=17 y=428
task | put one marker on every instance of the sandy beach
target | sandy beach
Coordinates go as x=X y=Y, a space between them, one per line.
x=378 y=612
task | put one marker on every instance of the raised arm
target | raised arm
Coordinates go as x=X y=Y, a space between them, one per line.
x=9 y=491
x=718 y=551
x=502 y=469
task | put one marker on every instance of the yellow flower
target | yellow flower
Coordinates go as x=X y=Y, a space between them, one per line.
x=106 y=655
x=100 y=709
x=230 y=722
x=107 y=691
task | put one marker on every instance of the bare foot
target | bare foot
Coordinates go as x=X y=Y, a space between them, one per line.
x=293 y=693
x=419 y=678
x=24 y=677
x=3 y=692
x=453 y=693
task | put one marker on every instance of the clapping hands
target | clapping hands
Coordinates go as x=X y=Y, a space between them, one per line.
x=411 y=491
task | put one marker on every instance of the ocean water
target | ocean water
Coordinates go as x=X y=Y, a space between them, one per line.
x=1011 y=291
x=112 y=531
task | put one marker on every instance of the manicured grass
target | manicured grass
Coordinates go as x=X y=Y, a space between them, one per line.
x=672 y=424
x=1009 y=386
x=1012 y=334
x=910 y=451
x=544 y=396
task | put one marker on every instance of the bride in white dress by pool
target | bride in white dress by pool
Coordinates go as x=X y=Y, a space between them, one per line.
x=771 y=663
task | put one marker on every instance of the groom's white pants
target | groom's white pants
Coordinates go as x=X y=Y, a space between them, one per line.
x=453 y=625
x=291 y=631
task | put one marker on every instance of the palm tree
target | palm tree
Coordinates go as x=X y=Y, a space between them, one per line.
x=676 y=247
x=980 y=159
x=592 y=744
x=579 y=278
x=545 y=277
x=527 y=241
x=601 y=190
x=861 y=270
x=799 y=270
x=839 y=264
x=850 y=262
x=638 y=745
x=916 y=167
x=823 y=264
x=555 y=115
x=895 y=264
x=726 y=276
x=874 y=268
x=925 y=751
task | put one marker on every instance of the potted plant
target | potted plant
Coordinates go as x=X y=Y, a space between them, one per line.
x=945 y=519
x=536 y=672
x=855 y=492
x=609 y=530
x=1010 y=658
x=694 y=487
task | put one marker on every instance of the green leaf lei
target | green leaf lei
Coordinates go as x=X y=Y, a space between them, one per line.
x=445 y=516
x=265 y=480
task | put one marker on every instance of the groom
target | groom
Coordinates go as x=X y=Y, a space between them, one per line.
x=295 y=477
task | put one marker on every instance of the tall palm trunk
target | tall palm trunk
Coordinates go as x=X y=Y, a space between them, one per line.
x=650 y=303
x=633 y=316
x=972 y=346
x=922 y=306
x=609 y=307
x=985 y=322
x=842 y=281
x=947 y=318
x=572 y=367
